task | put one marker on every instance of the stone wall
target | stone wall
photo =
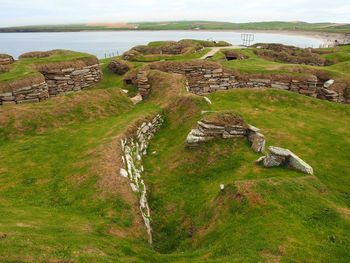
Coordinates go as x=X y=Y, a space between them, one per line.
x=206 y=77
x=60 y=81
x=6 y=59
x=50 y=83
x=134 y=148
x=208 y=130
x=36 y=90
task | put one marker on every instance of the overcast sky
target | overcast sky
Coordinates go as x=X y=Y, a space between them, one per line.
x=34 y=12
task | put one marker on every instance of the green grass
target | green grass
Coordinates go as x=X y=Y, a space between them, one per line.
x=23 y=68
x=59 y=199
x=187 y=56
x=256 y=65
x=189 y=212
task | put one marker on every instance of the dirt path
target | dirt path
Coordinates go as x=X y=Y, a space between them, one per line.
x=216 y=49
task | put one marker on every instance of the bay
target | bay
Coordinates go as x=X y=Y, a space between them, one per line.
x=107 y=43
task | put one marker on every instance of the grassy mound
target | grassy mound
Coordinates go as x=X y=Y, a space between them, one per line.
x=224 y=118
x=171 y=50
x=26 y=70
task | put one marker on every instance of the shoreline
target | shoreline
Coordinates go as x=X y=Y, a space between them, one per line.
x=327 y=38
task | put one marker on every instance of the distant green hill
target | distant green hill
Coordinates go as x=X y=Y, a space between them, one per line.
x=188 y=25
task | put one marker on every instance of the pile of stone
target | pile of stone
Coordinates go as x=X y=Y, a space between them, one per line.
x=119 y=67
x=143 y=85
x=6 y=59
x=328 y=94
x=283 y=157
x=208 y=130
x=134 y=148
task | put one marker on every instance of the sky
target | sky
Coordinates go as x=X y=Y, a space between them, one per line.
x=45 y=12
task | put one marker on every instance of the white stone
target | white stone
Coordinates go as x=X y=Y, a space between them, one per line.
x=253 y=128
x=298 y=164
x=258 y=141
x=123 y=173
x=134 y=187
x=210 y=126
x=195 y=136
x=280 y=151
x=208 y=100
x=136 y=99
x=328 y=83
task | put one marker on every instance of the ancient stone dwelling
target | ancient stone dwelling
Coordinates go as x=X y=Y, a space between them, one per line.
x=51 y=80
x=205 y=77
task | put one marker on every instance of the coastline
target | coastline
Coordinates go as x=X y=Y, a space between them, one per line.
x=327 y=38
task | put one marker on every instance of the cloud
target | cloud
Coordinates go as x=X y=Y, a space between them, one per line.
x=29 y=12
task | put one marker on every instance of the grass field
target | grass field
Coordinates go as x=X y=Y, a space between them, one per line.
x=62 y=199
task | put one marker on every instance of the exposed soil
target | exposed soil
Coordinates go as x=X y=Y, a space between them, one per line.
x=224 y=118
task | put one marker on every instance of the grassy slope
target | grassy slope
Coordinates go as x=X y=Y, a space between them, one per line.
x=56 y=208
x=289 y=216
x=54 y=203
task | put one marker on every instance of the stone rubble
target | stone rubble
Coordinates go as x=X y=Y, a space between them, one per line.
x=283 y=157
x=134 y=148
x=136 y=99
x=207 y=131
x=119 y=67
x=142 y=83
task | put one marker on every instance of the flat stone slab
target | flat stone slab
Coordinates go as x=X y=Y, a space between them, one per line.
x=279 y=151
x=283 y=157
x=298 y=164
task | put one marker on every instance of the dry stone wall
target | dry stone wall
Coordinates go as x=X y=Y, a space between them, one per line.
x=207 y=130
x=34 y=91
x=60 y=81
x=134 y=149
x=206 y=77
x=6 y=59
x=50 y=83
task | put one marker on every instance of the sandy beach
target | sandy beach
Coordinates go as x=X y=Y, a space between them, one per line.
x=327 y=38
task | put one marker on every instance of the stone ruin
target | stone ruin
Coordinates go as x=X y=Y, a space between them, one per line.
x=291 y=54
x=134 y=148
x=205 y=77
x=225 y=125
x=51 y=80
x=283 y=157
x=6 y=59
x=119 y=67
x=69 y=79
x=233 y=54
